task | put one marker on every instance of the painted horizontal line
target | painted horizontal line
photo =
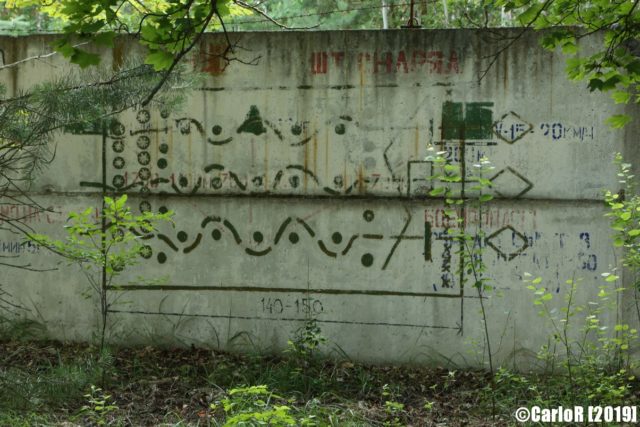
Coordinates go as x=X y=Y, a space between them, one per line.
x=307 y=197
x=281 y=319
x=317 y=87
x=280 y=290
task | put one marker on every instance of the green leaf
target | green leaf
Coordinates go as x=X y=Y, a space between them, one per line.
x=621 y=97
x=529 y=16
x=84 y=59
x=451 y=168
x=64 y=47
x=121 y=201
x=569 y=48
x=104 y=38
x=485 y=197
x=633 y=67
x=618 y=121
x=223 y=7
x=595 y=84
x=159 y=59
x=437 y=191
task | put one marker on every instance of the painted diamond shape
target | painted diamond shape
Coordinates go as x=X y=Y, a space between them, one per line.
x=511 y=128
x=508 y=183
x=499 y=242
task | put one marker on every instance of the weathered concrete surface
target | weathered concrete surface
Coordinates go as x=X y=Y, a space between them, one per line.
x=298 y=184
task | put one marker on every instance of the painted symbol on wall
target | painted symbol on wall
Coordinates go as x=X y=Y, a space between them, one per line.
x=291 y=231
x=509 y=183
x=508 y=242
x=467 y=121
x=252 y=123
x=511 y=128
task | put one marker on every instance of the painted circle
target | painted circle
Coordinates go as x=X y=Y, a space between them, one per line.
x=118 y=162
x=144 y=158
x=367 y=260
x=144 y=191
x=144 y=174
x=118 y=145
x=145 y=207
x=164 y=148
x=217 y=130
x=185 y=127
x=162 y=163
x=183 y=181
x=162 y=258
x=164 y=113
x=296 y=129
x=146 y=252
x=118 y=181
x=336 y=237
x=294 y=238
x=182 y=236
x=216 y=234
x=116 y=128
x=143 y=116
x=258 y=237
x=143 y=142
x=368 y=215
x=163 y=210
x=340 y=129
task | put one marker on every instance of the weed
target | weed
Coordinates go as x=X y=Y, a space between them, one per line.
x=99 y=408
x=253 y=406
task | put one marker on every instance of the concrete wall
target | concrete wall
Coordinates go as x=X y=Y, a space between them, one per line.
x=298 y=178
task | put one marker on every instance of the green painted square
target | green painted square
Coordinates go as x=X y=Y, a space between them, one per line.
x=452 y=120
x=478 y=120
x=467 y=121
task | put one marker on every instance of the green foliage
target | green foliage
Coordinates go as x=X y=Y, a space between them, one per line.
x=103 y=243
x=254 y=406
x=624 y=211
x=344 y=14
x=168 y=28
x=26 y=17
x=306 y=341
x=99 y=407
x=393 y=409
x=29 y=121
x=585 y=363
x=112 y=245
x=589 y=363
x=453 y=188
x=51 y=385
x=614 y=66
x=449 y=184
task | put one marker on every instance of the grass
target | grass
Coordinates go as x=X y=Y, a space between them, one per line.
x=47 y=383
